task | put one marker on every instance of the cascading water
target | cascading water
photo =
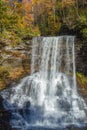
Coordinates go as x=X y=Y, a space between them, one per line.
x=49 y=94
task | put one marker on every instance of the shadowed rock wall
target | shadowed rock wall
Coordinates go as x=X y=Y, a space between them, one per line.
x=81 y=56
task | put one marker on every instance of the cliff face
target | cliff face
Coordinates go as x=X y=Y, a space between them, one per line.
x=81 y=56
x=17 y=65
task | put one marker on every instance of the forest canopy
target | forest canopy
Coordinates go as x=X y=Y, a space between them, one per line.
x=45 y=17
x=60 y=16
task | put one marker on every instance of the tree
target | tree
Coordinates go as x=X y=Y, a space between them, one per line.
x=45 y=16
x=16 y=26
x=4 y=17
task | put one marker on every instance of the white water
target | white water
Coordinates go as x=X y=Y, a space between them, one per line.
x=50 y=89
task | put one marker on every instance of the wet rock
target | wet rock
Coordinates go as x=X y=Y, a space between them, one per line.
x=1 y=103
x=64 y=105
x=27 y=105
x=71 y=127
x=4 y=125
x=25 y=109
x=5 y=117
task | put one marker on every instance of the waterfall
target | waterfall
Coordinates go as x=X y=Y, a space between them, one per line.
x=50 y=92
